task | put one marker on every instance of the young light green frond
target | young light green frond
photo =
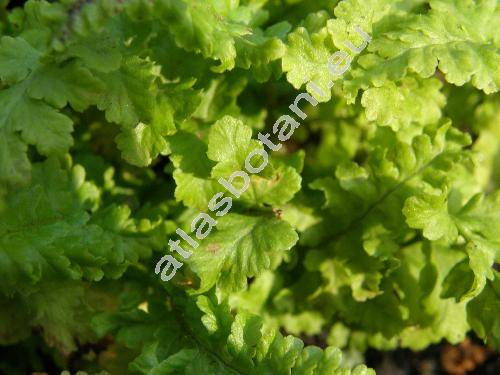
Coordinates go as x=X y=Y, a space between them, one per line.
x=452 y=37
x=242 y=247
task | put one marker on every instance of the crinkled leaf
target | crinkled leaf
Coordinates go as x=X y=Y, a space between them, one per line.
x=242 y=246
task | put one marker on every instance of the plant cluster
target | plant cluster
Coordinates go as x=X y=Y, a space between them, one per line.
x=376 y=225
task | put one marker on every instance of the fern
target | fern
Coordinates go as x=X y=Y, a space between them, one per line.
x=374 y=226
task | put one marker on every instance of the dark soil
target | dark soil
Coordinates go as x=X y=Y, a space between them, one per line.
x=468 y=358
